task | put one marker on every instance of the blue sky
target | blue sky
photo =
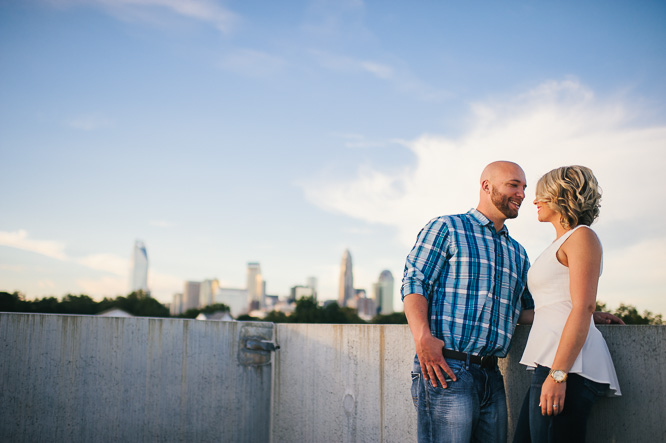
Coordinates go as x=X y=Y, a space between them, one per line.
x=222 y=132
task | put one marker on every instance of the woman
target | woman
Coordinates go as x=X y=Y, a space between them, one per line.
x=569 y=356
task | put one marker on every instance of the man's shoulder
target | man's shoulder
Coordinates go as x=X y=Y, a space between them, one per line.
x=452 y=218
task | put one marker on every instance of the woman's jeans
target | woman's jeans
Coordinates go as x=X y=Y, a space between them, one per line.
x=472 y=408
x=568 y=426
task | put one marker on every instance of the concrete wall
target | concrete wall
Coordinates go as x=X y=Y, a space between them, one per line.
x=351 y=384
x=92 y=379
x=336 y=383
x=79 y=378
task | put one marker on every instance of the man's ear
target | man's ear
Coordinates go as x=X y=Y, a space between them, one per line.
x=485 y=185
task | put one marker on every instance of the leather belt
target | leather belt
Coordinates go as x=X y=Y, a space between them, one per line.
x=485 y=362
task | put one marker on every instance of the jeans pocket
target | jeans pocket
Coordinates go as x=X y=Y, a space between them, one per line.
x=598 y=389
x=416 y=376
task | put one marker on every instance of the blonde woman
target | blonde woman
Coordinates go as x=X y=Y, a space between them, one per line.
x=568 y=354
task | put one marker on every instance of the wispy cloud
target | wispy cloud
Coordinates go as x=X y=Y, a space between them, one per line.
x=89 y=122
x=106 y=262
x=399 y=77
x=555 y=124
x=154 y=11
x=360 y=141
x=252 y=62
x=106 y=286
x=20 y=240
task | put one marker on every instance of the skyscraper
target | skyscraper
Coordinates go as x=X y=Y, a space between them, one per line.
x=312 y=284
x=191 y=293
x=346 y=280
x=207 y=292
x=255 y=285
x=384 y=294
x=139 y=277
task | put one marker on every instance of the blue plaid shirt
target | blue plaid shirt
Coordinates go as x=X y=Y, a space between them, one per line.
x=475 y=281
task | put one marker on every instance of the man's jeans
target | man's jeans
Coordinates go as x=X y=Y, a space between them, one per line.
x=470 y=409
x=568 y=426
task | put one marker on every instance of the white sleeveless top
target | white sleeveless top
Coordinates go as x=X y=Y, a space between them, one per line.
x=548 y=281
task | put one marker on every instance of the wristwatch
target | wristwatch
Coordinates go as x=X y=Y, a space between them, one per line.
x=558 y=375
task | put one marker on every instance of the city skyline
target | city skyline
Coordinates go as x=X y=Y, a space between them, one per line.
x=222 y=133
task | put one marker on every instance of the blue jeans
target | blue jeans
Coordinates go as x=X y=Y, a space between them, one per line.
x=568 y=426
x=470 y=409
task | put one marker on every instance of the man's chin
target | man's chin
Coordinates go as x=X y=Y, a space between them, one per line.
x=509 y=214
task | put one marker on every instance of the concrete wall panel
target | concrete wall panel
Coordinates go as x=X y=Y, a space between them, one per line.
x=83 y=379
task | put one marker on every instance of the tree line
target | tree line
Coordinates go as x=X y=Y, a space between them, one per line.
x=307 y=310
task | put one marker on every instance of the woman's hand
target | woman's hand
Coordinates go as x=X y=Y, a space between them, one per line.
x=552 y=397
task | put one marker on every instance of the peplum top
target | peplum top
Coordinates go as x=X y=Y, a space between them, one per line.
x=548 y=282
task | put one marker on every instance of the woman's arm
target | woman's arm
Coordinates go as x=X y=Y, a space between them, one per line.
x=581 y=252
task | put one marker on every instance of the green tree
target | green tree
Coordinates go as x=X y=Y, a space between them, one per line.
x=396 y=318
x=629 y=314
x=307 y=311
x=137 y=303
x=46 y=305
x=352 y=316
x=78 y=304
x=333 y=314
x=210 y=309
x=276 y=317
x=13 y=302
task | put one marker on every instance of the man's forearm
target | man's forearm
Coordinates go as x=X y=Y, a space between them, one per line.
x=416 y=311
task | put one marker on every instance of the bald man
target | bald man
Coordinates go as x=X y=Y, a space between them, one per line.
x=464 y=289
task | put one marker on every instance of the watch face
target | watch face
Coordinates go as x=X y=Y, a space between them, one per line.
x=559 y=376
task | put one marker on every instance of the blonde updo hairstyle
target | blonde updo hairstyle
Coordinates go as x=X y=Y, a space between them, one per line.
x=572 y=192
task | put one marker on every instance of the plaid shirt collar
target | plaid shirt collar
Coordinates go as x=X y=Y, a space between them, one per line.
x=482 y=220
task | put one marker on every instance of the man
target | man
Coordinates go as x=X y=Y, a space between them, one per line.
x=464 y=289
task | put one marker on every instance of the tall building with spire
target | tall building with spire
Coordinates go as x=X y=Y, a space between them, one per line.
x=384 y=293
x=139 y=273
x=346 y=280
x=255 y=285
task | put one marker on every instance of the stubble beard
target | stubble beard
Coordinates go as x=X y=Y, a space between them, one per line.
x=501 y=202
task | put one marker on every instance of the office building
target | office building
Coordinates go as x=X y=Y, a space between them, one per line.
x=255 y=286
x=139 y=272
x=191 y=295
x=207 y=292
x=176 y=307
x=384 y=293
x=236 y=299
x=346 y=293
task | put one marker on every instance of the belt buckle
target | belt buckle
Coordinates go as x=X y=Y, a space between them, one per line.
x=488 y=362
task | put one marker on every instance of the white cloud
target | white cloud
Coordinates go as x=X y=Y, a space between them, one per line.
x=399 y=78
x=555 y=124
x=163 y=286
x=46 y=284
x=19 y=239
x=106 y=286
x=152 y=11
x=359 y=141
x=106 y=262
x=377 y=69
x=12 y=268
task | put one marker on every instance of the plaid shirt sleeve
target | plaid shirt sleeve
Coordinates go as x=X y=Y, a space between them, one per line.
x=426 y=259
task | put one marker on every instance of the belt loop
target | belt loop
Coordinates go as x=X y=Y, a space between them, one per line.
x=467 y=356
